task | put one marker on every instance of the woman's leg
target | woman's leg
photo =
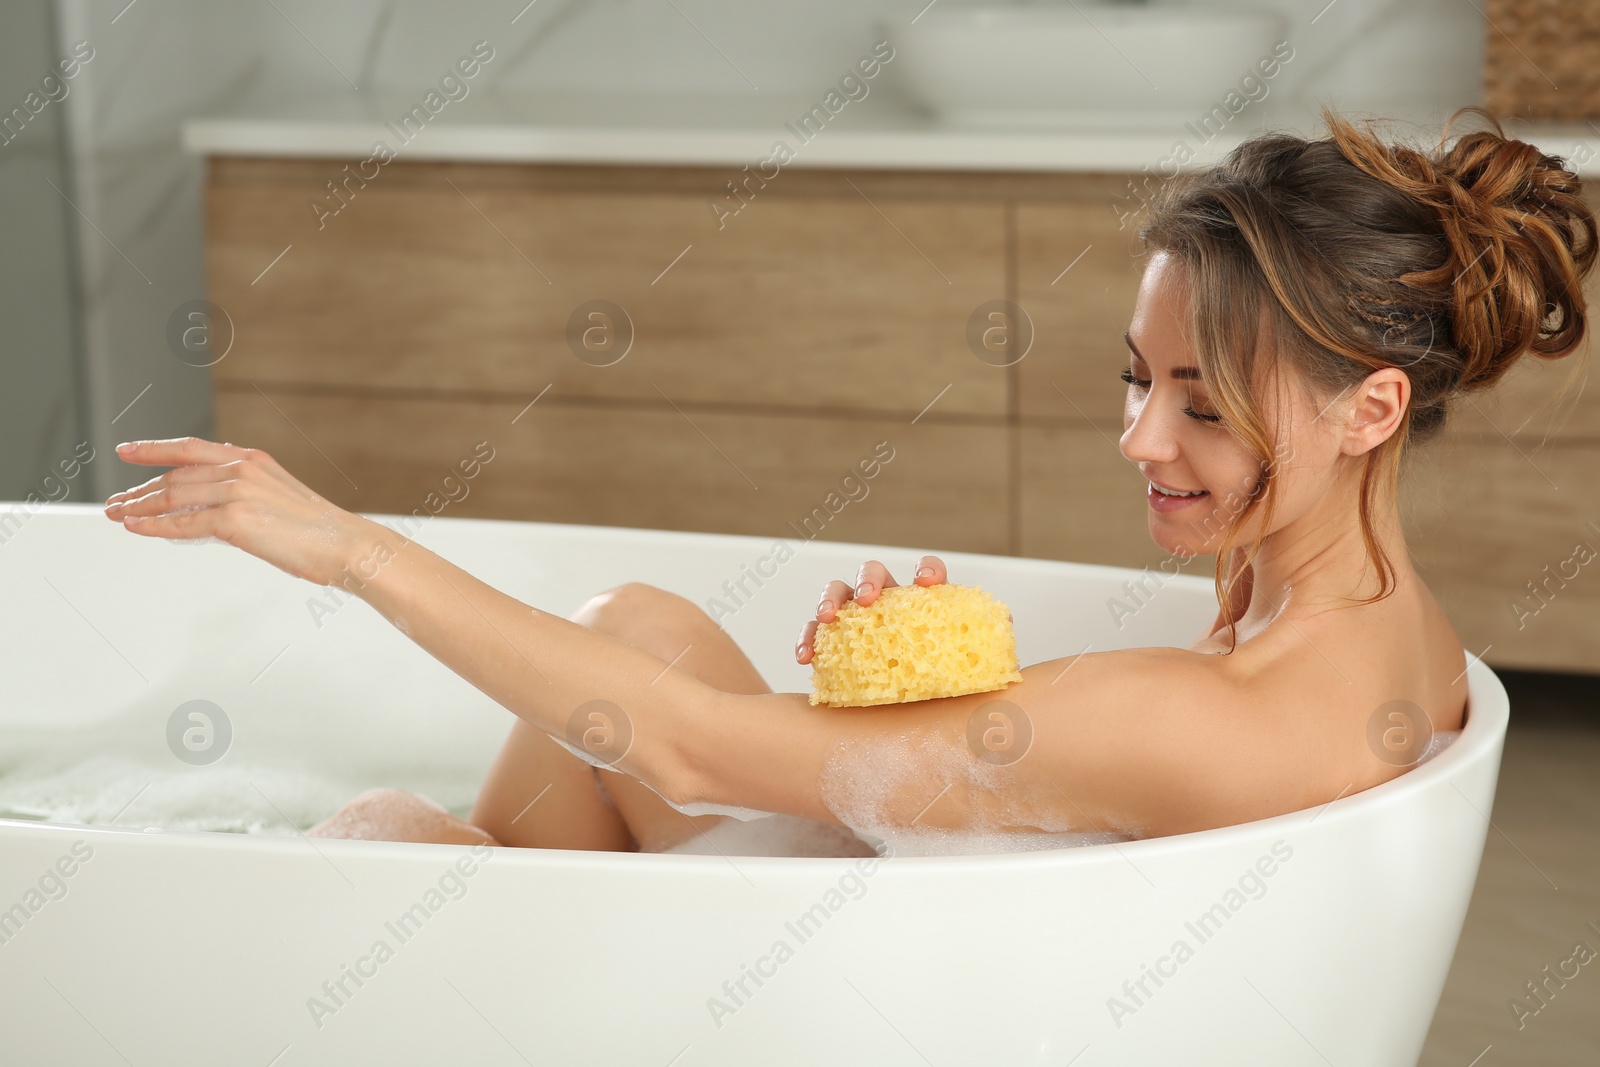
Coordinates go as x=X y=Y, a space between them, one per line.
x=539 y=795
x=577 y=805
x=676 y=630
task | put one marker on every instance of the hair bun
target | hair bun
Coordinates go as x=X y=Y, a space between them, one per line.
x=1519 y=240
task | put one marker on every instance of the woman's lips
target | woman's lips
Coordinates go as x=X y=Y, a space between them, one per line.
x=1164 y=503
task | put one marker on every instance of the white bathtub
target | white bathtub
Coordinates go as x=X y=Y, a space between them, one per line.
x=192 y=947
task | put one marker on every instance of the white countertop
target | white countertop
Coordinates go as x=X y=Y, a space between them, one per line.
x=879 y=132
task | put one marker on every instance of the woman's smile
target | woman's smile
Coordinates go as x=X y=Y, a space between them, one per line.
x=1166 y=498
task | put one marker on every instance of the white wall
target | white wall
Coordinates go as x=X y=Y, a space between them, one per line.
x=39 y=393
x=1368 y=54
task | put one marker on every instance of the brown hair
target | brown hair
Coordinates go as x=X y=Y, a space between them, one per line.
x=1345 y=255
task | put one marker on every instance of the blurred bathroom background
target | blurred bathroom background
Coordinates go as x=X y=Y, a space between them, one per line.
x=590 y=256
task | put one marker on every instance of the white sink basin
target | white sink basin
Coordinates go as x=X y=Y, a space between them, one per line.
x=1089 y=62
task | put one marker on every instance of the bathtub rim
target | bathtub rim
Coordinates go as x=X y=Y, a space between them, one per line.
x=1481 y=738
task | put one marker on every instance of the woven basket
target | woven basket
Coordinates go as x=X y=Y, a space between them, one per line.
x=1541 y=59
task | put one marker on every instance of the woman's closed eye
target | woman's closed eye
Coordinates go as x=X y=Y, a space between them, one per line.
x=1144 y=383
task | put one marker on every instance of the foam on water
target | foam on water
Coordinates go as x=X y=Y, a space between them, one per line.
x=115 y=790
x=118 y=771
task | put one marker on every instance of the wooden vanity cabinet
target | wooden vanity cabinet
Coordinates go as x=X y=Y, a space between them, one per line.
x=632 y=358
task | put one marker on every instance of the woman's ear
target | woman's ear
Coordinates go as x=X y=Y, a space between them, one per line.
x=1375 y=410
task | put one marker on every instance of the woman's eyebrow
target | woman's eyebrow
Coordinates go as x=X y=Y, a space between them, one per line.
x=1191 y=373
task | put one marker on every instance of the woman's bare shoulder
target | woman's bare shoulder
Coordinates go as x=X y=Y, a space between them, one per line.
x=1173 y=740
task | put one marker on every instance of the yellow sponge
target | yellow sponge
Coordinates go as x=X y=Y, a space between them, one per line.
x=914 y=643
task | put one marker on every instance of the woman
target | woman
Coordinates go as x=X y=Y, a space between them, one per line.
x=1308 y=312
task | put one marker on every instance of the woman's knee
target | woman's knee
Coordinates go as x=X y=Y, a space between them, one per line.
x=640 y=610
x=669 y=626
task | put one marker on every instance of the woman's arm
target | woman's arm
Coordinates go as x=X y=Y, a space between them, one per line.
x=1118 y=739
x=1144 y=741
x=1147 y=741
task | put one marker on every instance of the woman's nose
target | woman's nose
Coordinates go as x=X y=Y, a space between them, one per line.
x=1149 y=437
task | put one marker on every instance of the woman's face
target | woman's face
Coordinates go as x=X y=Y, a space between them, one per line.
x=1170 y=432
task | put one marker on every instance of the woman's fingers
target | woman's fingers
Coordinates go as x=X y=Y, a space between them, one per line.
x=244 y=497
x=177 y=476
x=872 y=579
x=175 y=498
x=833 y=598
x=181 y=525
x=186 y=452
x=196 y=459
x=179 y=452
x=805 y=648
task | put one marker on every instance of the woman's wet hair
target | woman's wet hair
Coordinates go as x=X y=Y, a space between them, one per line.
x=1347 y=254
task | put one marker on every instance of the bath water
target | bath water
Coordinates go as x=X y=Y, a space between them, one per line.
x=882 y=790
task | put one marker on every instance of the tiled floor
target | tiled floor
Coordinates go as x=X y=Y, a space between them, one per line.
x=1537 y=891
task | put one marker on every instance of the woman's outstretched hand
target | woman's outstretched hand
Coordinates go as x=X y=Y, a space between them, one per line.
x=872 y=579
x=240 y=496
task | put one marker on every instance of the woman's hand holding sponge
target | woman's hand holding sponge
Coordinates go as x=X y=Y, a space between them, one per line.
x=884 y=643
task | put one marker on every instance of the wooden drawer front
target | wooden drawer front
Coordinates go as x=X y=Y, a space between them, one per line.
x=943 y=488
x=1082 y=501
x=1078 y=351
x=802 y=301
x=1482 y=522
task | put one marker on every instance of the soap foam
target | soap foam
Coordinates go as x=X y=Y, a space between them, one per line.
x=228 y=798
x=120 y=772
x=882 y=787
